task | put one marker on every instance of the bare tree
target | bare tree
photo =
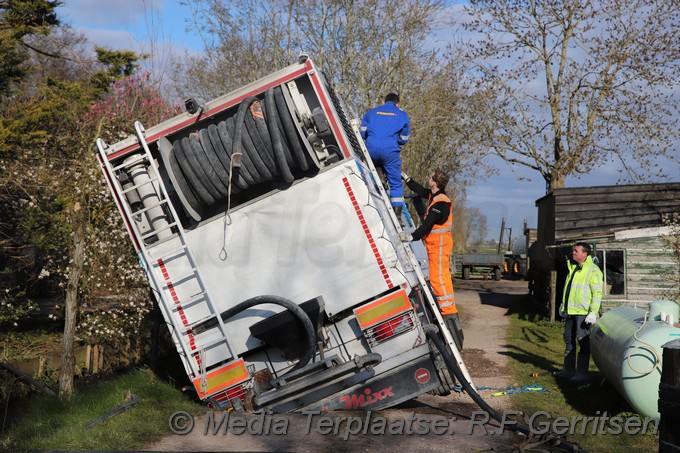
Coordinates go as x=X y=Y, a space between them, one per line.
x=367 y=49
x=242 y=41
x=449 y=128
x=579 y=83
x=477 y=227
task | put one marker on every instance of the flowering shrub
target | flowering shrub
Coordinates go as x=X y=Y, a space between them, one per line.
x=14 y=307
x=58 y=169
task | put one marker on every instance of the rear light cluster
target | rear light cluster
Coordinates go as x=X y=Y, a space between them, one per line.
x=227 y=398
x=386 y=318
x=390 y=328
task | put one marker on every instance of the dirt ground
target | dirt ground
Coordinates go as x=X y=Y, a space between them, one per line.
x=452 y=423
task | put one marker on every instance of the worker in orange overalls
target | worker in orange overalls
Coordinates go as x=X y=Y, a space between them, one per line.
x=436 y=232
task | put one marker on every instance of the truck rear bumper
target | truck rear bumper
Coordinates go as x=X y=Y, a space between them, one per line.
x=400 y=384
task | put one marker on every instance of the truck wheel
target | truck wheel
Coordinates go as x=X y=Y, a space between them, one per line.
x=466 y=273
x=447 y=381
x=497 y=274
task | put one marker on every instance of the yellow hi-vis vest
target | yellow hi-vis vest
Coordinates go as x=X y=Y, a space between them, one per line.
x=585 y=294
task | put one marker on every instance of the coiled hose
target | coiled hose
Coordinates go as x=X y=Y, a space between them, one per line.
x=262 y=131
x=310 y=333
x=432 y=333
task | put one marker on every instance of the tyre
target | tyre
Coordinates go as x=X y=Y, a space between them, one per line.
x=497 y=274
x=516 y=268
x=466 y=272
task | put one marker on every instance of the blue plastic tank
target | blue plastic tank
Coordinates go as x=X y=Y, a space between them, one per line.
x=626 y=348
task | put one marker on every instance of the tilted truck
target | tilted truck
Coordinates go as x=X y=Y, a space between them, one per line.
x=274 y=254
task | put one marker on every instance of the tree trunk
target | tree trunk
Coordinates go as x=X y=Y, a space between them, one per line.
x=68 y=360
x=556 y=181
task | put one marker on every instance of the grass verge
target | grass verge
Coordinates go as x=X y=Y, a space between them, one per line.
x=537 y=346
x=47 y=424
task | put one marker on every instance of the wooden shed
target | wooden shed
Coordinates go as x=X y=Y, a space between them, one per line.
x=624 y=224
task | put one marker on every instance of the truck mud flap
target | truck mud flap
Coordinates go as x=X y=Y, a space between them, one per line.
x=384 y=390
x=314 y=376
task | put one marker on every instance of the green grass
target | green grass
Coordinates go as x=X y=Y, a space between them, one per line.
x=537 y=346
x=44 y=423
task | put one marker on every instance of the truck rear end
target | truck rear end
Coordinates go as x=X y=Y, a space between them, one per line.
x=274 y=254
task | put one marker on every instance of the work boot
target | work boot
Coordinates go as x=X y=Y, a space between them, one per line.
x=456 y=329
x=568 y=369
x=581 y=374
x=397 y=211
x=564 y=374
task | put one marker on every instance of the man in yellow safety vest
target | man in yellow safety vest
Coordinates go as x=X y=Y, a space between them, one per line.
x=580 y=305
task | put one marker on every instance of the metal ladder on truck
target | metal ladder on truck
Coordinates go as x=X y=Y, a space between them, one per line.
x=413 y=261
x=164 y=225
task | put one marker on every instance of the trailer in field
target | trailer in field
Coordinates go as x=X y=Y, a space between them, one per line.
x=485 y=263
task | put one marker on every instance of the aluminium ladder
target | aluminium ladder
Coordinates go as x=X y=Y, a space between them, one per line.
x=164 y=225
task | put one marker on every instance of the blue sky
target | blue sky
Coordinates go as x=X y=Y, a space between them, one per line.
x=127 y=24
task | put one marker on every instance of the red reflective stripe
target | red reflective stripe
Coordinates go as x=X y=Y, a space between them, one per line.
x=182 y=315
x=368 y=234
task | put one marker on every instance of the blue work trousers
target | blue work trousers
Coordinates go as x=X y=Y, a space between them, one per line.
x=390 y=161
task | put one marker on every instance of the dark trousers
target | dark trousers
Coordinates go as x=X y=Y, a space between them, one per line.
x=576 y=331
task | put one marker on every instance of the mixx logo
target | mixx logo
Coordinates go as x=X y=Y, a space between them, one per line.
x=354 y=401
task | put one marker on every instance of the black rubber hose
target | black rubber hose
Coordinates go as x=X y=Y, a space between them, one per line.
x=264 y=163
x=257 y=112
x=275 y=133
x=253 y=152
x=236 y=132
x=289 y=128
x=310 y=334
x=432 y=333
x=222 y=175
x=188 y=165
x=225 y=138
x=247 y=168
x=182 y=183
x=263 y=132
x=284 y=141
x=211 y=180
x=223 y=158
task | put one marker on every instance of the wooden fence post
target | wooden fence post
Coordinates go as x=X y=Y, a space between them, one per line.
x=553 y=296
x=669 y=399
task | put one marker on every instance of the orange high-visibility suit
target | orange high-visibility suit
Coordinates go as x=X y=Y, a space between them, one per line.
x=436 y=232
x=439 y=245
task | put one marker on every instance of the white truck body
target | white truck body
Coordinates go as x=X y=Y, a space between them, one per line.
x=327 y=241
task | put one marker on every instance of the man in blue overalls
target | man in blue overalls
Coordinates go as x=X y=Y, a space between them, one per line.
x=386 y=129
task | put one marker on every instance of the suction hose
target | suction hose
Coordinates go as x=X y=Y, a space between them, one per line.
x=310 y=334
x=432 y=333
